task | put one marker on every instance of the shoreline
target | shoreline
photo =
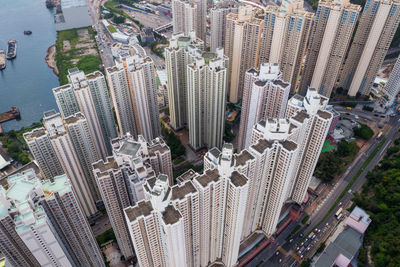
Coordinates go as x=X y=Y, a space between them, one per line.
x=50 y=60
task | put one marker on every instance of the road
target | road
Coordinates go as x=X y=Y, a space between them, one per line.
x=105 y=51
x=267 y=257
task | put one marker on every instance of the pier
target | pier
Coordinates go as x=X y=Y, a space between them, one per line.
x=12 y=114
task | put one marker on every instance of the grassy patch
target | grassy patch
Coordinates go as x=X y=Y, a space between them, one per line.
x=305 y=219
x=105 y=237
x=179 y=160
x=14 y=143
x=111 y=28
x=73 y=57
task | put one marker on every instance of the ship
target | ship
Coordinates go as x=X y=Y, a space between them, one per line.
x=27 y=32
x=2 y=59
x=12 y=49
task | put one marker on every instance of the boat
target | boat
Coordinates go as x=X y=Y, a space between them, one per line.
x=2 y=59
x=12 y=49
x=27 y=32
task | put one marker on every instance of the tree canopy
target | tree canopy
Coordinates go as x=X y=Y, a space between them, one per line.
x=380 y=197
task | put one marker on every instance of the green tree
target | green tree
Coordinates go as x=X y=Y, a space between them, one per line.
x=118 y=19
x=363 y=132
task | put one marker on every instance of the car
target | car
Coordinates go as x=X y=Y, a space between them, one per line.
x=301 y=235
x=297 y=249
x=340 y=204
x=291 y=240
x=277 y=253
x=280 y=260
x=301 y=256
x=308 y=249
x=302 y=243
x=327 y=224
x=316 y=230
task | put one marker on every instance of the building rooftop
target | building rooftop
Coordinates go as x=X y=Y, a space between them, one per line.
x=289 y=145
x=129 y=148
x=281 y=83
x=301 y=116
x=208 y=177
x=342 y=250
x=104 y=166
x=74 y=118
x=243 y=157
x=142 y=208
x=35 y=133
x=170 y=215
x=179 y=191
x=60 y=185
x=187 y=175
x=238 y=179
x=359 y=220
x=324 y=114
x=261 y=145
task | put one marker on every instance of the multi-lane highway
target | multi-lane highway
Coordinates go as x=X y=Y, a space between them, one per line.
x=268 y=257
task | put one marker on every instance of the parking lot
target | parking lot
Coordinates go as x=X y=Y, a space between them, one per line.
x=149 y=19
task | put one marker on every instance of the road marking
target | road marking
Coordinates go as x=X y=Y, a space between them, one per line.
x=294 y=256
x=282 y=250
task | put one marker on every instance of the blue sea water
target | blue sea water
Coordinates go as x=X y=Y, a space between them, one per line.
x=27 y=80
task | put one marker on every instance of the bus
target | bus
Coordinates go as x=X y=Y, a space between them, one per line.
x=339 y=211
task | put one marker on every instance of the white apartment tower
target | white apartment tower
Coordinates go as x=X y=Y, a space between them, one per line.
x=78 y=130
x=89 y=94
x=133 y=92
x=121 y=179
x=185 y=217
x=39 y=144
x=242 y=46
x=375 y=31
x=218 y=22
x=64 y=148
x=111 y=179
x=183 y=16
x=206 y=87
x=392 y=87
x=333 y=28
x=223 y=193
x=177 y=57
x=265 y=95
x=53 y=235
x=284 y=39
x=189 y=16
x=310 y=115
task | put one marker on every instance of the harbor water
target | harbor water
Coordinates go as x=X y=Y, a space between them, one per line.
x=27 y=80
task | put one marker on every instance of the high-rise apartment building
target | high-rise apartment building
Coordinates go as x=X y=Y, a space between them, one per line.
x=375 y=31
x=308 y=113
x=206 y=87
x=177 y=57
x=11 y=245
x=330 y=37
x=121 y=179
x=62 y=206
x=242 y=46
x=89 y=95
x=203 y=217
x=392 y=87
x=48 y=235
x=189 y=16
x=78 y=130
x=265 y=95
x=183 y=16
x=39 y=144
x=218 y=22
x=68 y=157
x=133 y=92
x=284 y=39
x=112 y=179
